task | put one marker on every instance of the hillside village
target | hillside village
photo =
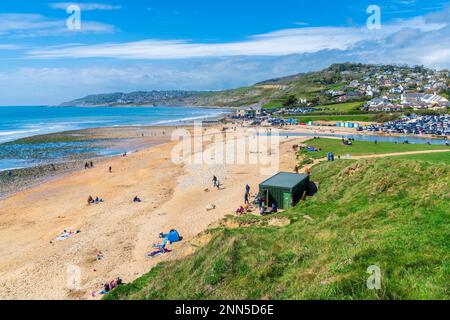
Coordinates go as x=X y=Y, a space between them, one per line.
x=382 y=88
x=410 y=100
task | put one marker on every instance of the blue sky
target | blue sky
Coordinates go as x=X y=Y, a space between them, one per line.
x=203 y=45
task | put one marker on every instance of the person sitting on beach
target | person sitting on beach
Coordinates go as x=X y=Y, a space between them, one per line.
x=274 y=208
x=99 y=255
x=90 y=200
x=10 y=173
x=240 y=210
x=98 y=200
x=262 y=210
x=136 y=199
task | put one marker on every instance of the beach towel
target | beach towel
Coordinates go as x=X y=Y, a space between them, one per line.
x=157 y=253
x=63 y=236
x=66 y=234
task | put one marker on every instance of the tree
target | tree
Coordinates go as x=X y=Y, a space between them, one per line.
x=291 y=101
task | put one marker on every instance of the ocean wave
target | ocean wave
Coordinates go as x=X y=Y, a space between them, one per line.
x=187 y=119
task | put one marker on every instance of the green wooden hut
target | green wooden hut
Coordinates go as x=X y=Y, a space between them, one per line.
x=284 y=189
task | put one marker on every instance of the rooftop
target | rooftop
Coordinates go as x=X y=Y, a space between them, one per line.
x=284 y=180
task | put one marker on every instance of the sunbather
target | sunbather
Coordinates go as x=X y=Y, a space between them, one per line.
x=240 y=210
x=274 y=208
x=262 y=210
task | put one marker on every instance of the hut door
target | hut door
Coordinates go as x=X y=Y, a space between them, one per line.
x=287 y=200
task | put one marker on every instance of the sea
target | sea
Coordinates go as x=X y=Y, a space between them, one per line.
x=20 y=122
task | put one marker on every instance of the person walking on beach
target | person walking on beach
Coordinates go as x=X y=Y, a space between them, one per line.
x=247 y=189
x=215 y=182
x=246 y=198
x=10 y=173
x=92 y=164
x=110 y=169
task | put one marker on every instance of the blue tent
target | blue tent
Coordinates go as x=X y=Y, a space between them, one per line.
x=173 y=236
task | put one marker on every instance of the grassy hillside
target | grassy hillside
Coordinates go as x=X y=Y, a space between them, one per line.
x=385 y=212
x=343 y=117
x=342 y=107
x=429 y=157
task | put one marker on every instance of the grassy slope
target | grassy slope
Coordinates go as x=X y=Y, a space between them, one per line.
x=363 y=147
x=343 y=117
x=363 y=215
x=430 y=157
x=342 y=107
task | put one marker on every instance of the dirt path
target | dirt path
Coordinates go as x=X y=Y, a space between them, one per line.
x=396 y=154
x=369 y=156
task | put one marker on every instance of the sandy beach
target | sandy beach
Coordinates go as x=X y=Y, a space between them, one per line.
x=33 y=265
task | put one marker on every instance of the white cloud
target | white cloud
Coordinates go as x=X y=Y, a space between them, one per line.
x=178 y=64
x=277 y=43
x=34 y=25
x=84 y=6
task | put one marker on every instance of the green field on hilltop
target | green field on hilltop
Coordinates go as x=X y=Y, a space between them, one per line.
x=343 y=117
x=341 y=107
x=390 y=213
x=362 y=148
x=443 y=157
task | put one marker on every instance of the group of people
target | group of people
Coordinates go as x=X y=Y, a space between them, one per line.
x=110 y=286
x=262 y=206
x=91 y=200
x=259 y=200
x=348 y=142
x=88 y=165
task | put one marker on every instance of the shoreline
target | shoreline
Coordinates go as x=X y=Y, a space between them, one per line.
x=173 y=196
x=30 y=176
x=181 y=119
x=127 y=138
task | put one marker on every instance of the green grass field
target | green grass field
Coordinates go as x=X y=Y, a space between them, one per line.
x=385 y=212
x=341 y=107
x=430 y=157
x=344 y=117
x=362 y=148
